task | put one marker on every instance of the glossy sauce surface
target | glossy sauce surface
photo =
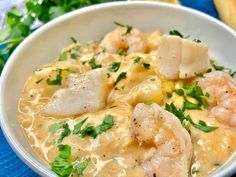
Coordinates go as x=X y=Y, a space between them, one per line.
x=115 y=152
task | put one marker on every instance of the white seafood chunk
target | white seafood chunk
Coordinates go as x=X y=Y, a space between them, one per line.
x=194 y=59
x=82 y=93
x=181 y=58
x=152 y=125
x=169 y=56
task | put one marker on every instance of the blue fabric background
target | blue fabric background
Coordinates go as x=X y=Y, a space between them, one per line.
x=12 y=166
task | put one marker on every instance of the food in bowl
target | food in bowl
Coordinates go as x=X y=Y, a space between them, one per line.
x=132 y=104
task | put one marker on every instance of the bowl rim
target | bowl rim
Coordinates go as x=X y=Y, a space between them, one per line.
x=34 y=164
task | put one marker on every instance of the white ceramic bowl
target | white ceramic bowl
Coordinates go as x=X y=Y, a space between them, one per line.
x=93 y=23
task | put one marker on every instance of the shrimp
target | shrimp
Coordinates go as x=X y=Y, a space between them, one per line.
x=222 y=90
x=153 y=126
x=118 y=39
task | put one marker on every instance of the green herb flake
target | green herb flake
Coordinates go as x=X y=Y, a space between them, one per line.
x=175 y=33
x=62 y=57
x=38 y=81
x=66 y=132
x=216 y=67
x=65 y=151
x=197 y=40
x=207 y=95
x=107 y=123
x=61 y=165
x=153 y=79
x=82 y=166
x=108 y=75
x=190 y=105
x=120 y=77
x=209 y=70
x=58 y=79
x=93 y=64
x=199 y=75
x=146 y=65
x=69 y=70
x=187 y=120
x=204 y=127
x=54 y=127
x=222 y=68
x=179 y=92
x=168 y=94
x=114 y=67
x=137 y=60
x=217 y=164
x=77 y=127
x=120 y=52
x=90 y=130
x=128 y=27
x=74 y=56
x=73 y=40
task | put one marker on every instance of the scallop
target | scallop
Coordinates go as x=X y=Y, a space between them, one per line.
x=180 y=58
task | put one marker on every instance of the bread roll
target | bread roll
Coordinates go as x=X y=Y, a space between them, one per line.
x=227 y=11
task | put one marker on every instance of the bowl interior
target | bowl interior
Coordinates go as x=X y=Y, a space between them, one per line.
x=93 y=23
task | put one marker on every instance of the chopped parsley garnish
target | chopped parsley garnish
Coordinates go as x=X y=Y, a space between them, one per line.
x=146 y=65
x=90 y=130
x=38 y=81
x=216 y=67
x=222 y=68
x=73 y=40
x=175 y=33
x=120 y=51
x=61 y=165
x=137 y=59
x=204 y=127
x=74 y=56
x=179 y=91
x=114 y=67
x=187 y=120
x=168 y=94
x=199 y=75
x=217 y=164
x=62 y=57
x=107 y=123
x=197 y=40
x=54 y=127
x=77 y=127
x=195 y=91
x=69 y=70
x=66 y=132
x=65 y=151
x=93 y=64
x=152 y=79
x=80 y=167
x=58 y=79
x=178 y=113
x=120 y=77
x=190 y=105
x=128 y=27
x=207 y=94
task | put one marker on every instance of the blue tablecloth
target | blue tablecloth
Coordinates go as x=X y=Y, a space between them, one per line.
x=12 y=166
